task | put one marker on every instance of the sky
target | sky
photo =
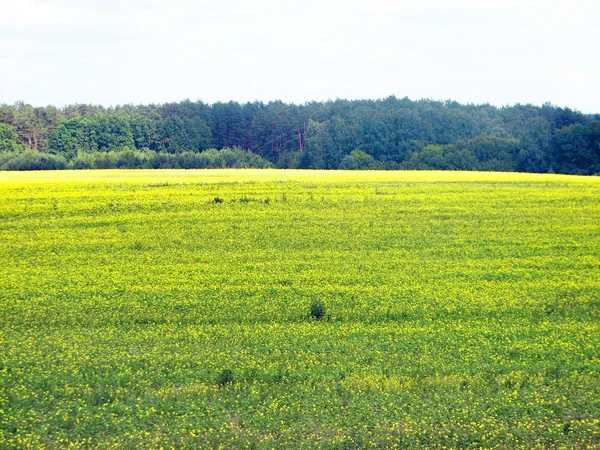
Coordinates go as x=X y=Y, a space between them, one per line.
x=113 y=52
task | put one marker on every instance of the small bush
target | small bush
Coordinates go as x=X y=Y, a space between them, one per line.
x=359 y=160
x=225 y=377
x=31 y=160
x=317 y=310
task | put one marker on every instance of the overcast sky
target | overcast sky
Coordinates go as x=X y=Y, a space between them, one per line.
x=154 y=51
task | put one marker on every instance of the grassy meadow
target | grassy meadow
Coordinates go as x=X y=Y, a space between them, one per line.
x=167 y=308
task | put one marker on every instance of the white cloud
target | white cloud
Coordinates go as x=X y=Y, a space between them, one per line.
x=30 y=14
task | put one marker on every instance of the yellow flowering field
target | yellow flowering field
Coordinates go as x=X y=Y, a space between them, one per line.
x=175 y=309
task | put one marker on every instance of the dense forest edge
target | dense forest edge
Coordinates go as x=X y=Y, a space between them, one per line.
x=390 y=133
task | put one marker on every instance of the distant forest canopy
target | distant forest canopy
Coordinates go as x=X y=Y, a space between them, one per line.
x=390 y=133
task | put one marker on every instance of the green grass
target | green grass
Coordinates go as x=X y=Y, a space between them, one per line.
x=462 y=309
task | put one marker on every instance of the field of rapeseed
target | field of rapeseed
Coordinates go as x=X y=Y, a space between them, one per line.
x=147 y=309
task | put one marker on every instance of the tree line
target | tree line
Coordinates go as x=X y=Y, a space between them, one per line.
x=390 y=133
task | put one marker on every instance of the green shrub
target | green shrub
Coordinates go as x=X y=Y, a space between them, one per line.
x=225 y=377
x=317 y=310
x=31 y=160
x=359 y=160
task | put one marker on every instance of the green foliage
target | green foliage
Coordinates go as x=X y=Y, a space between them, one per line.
x=317 y=310
x=68 y=139
x=225 y=377
x=485 y=152
x=442 y=157
x=8 y=139
x=178 y=135
x=289 y=160
x=320 y=151
x=31 y=160
x=148 y=159
x=359 y=160
x=577 y=149
x=396 y=133
x=86 y=135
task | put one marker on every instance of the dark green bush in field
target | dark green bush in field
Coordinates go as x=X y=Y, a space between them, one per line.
x=225 y=377
x=317 y=310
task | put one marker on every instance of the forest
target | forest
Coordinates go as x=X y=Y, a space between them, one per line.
x=391 y=133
